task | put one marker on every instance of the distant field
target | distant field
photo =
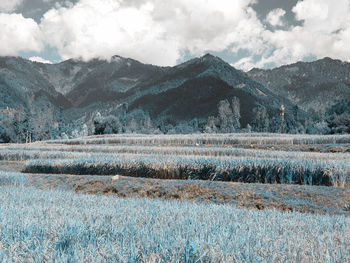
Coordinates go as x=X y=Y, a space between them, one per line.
x=198 y=156
x=210 y=139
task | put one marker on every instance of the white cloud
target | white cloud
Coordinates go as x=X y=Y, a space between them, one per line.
x=9 y=5
x=274 y=18
x=158 y=31
x=18 y=34
x=152 y=31
x=322 y=15
x=102 y=29
x=325 y=31
x=40 y=60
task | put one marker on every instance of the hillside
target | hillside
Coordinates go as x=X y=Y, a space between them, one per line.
x=194 y=89
x=22 y=81
x=75 y=91
x=190 y=90
x=313 y=86
x=66 y=96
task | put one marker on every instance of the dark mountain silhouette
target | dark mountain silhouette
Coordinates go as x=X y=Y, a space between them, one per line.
x=194 y=89
x=190 y=90
x=76 y=90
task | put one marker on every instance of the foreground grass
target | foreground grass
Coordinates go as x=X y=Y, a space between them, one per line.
x=47 y=226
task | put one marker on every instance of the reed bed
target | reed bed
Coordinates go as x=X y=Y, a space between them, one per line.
x=235 y=169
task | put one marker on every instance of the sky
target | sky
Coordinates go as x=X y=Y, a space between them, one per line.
x=245 y=33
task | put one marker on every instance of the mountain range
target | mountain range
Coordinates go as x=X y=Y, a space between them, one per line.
x=75 y=89
x=313 y=86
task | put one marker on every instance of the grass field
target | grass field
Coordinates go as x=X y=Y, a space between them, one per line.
x=196 y=216
x=58 y=226
x=199 y=156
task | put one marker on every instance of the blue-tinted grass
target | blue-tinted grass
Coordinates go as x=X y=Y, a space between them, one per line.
x=16 y=179
x=210 y=139
x=56 y=226
x=249 y=170
x=51 y=151
x=194 y=161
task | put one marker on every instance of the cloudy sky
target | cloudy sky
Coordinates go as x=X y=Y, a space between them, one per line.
x=245 y=33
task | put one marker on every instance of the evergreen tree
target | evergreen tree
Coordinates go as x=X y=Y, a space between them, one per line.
x=226 y=117
x=236 y=111
x=210 y=127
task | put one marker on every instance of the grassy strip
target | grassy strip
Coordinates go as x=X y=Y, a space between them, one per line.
x=211 y=139
x=24 y=152
x=248 y=170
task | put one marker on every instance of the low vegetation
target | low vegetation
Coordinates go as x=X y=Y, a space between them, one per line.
x=49 y=226
x=44 y=151
x=236 y=169
x=189 y=157
x=210 y=139
x=59 y=225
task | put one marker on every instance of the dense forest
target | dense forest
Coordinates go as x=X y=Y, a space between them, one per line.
x=46 y=124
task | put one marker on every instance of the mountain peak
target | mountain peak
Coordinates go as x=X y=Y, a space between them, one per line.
x=118 y=58
x=331 y=60
x=327 y=59
x=208 y=55
x=209 y=64
x=211 y=58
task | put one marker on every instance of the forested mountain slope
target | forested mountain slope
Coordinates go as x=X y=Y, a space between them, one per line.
x=125 y=95
x=313 y=86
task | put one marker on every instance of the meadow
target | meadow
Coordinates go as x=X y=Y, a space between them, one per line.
x=219 y=157
x=60 y=226
x=174 y=200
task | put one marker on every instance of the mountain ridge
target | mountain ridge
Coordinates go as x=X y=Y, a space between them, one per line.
x=75 y=91
x=314 y=86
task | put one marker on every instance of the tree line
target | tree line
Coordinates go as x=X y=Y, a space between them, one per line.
x=43 y=123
